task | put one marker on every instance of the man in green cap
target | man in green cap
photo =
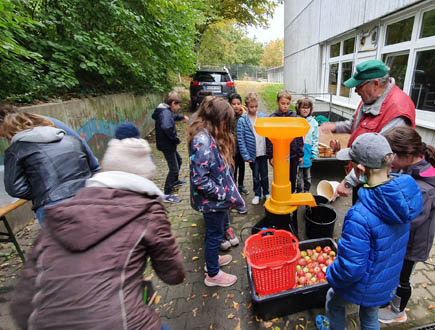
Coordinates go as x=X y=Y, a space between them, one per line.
x=383 y=106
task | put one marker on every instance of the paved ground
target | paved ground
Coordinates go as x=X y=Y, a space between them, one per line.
x=192 y=305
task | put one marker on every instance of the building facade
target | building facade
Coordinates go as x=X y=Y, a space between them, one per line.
x=324 y=40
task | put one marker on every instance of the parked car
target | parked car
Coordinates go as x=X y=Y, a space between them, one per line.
x=210 y=81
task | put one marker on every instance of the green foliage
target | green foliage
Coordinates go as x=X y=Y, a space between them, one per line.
x=225 y=43
x=268 y=95
x=273 y=53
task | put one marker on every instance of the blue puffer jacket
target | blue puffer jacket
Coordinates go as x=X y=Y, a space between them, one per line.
x=246 y=137
x=212 y=187
x=373 y=243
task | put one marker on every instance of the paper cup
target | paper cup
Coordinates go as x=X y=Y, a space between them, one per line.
x=327 y=189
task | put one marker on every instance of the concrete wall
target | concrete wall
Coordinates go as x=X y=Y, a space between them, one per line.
x=276 y=74
x=95 y=119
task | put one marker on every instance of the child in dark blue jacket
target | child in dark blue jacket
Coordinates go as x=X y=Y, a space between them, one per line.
x=167 y=141
x=212 y=188
x=253 y=147
x=375 y=233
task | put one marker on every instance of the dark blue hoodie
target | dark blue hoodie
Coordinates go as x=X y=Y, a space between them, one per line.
x=166 y=132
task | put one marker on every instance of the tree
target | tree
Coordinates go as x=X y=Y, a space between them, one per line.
x=273 y=53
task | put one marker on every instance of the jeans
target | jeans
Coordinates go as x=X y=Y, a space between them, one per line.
x=336 y=311
x=239 y=166
x=174 y=161
x=304 y=179
x=404 y=289
x=260 y=176
x=294 y=162
x=40 y=211
x=214 y=233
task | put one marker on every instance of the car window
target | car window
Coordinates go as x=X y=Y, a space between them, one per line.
x=211 y=77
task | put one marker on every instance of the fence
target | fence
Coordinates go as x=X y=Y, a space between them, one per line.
x=247 y=72
x=275 y=74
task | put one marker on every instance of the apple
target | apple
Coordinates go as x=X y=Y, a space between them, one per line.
x=309 y=282
x=310 y=252
x=314 y=256
x=321 y=259
x=311 y=265
x=299 y=286
x=316 y=264
x=327 y=249
x=329 y=261
x=302 y=262
x=298 y=267
x=308 y=276
x=307 y=258
x=303 y=253
x=306 y=270
x=332 y=254
x=302 y=280
x=309 y=261
x=300 y=273
x=320 y=275
x=318 y=248
x=322 y=280
x=317 y=269
x=324 y=269
x=322 y=265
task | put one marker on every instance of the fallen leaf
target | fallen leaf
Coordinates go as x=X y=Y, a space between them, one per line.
x=195 y=258
x=194 y=225
x=211 y=326
x=267 y=324
x=424 y=285
x=236 y=306
x=193 y=296
x=194 y=311
x=180 y=215
x=243 y=255
x=300 y=326
x=230 y=316
x=204 y=295
x=249 y=306
x=149 y=277
x=431 y=307
x=354 y=323
x=231 y=296
x=157 y=300
x=275 y=319
x=257 y=319
x=238 y=326
x=235 y=261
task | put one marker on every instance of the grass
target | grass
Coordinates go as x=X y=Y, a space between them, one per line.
x=268 y=94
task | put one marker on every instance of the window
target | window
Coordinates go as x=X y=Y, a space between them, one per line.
x=400 y=31
x=346 y=73
x=348 y=46
x=335 y=50
x=333 y=78
x=398 y=65
x=428 y=24
x=423 y=85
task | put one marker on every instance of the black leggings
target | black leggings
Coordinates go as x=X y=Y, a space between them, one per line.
x=239 y=166
x=404 y=289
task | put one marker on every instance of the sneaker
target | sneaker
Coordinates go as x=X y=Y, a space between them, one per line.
x=178 y=183
x=231 y=237
x=223 y=261
x=322 y=322
x=267 y=196
x=387 y=315
x=240 y=210
x=221 y=279
x=172 y=199
x=225 y=245
x=255 y=200
x=243 y=190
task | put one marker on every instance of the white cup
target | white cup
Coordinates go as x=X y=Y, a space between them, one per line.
x=327 y=188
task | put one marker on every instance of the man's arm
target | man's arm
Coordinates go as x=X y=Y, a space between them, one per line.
x=395 y=122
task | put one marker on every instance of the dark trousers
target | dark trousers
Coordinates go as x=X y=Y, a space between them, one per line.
x=304 y=179
x=214 y=233
x=260 y=176
x=174 y=161
x=239 y=167
x=404 y=289
x=293 y=172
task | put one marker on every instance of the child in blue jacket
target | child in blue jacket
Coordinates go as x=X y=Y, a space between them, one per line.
x=212 y=188
x=375 y=233
x=304 y=108
x=253 y=147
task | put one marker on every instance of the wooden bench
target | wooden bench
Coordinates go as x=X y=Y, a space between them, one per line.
x=10 y=237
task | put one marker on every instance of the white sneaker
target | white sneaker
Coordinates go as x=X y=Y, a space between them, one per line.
x=267 y=196
x=255 y=200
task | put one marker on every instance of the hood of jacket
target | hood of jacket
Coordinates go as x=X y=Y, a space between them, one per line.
x=289 y=113
x=397 y=201
x=423 y=171
x=161 y=107
x=39 y=134
x=96 y=212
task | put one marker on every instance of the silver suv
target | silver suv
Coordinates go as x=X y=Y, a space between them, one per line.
x=210 y=81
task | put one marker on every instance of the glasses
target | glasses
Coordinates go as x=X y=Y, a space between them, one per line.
x=363 y=84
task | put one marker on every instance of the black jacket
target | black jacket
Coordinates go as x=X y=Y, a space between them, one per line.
x=297 y=145
x=166 y=132
x=45 y=165
x=422 y=227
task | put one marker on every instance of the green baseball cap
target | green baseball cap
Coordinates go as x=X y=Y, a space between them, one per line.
x=370 y=69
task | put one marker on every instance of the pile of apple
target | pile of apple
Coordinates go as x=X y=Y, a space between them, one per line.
x=311 y=267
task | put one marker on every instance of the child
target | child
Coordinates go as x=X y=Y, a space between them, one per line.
x=253 y=147
x=239 y=163
x=86 y=268
x=415 y=158
x=167 y=141
x=283 y=98
x=304 y=108
x=375 y=232
x=212 y=188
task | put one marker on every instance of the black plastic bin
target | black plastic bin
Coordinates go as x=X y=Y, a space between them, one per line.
x=320 y=221
x=295 y=300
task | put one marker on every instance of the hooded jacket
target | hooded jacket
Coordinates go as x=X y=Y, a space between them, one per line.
x=86 y=268
x=212 y=187
x=44 y=165
x=373 y=243
x=422 y=227
x=296 y=146
x=311 y=143
x=166 y=132
x=246 y=137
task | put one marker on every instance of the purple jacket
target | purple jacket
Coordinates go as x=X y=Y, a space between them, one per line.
x=86 y=268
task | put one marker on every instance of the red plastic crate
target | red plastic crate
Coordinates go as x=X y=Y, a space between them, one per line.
x=272 y=255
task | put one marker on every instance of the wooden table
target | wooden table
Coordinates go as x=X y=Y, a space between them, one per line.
x=10 y=237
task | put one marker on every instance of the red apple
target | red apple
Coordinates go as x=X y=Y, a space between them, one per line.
x=327 y=249
x=309 y=282
x=321 y=259
x=310 y=252
x=320 y=275
x=311 y=265
x=314 y=256
x=308 y=276
x=302 y=280
x=317 y=269
x=302 y=262
x=300 y=273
